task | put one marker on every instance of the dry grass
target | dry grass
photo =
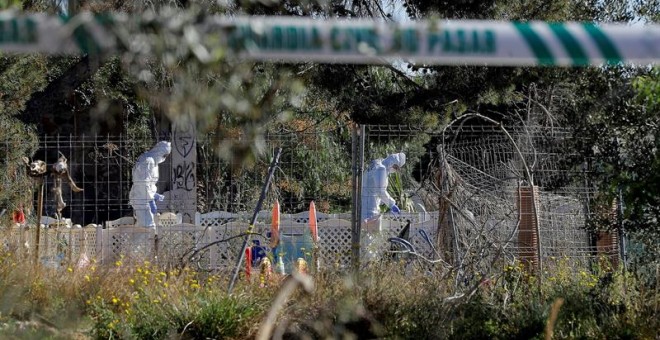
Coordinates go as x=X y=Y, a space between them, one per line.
x=388 y=299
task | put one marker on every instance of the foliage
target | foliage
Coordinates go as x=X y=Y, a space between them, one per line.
x=17 y=82
x=152 y=304
x=394 y=302
x=15 y=185
x=9 y=4
x=639 y=180
x=623 y=141
x=389 y=299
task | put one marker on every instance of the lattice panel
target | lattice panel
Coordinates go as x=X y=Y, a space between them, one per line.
x=15 y=240
x=167 y=219
x=123 y=222
x=176 y=243
x=83 y=245
x=89 y=238
x=404 y=217
x=224 y=254
x=53 y=246
x=335 y=243
x=137 y=244
x=133 y=243
x=303 y=217
x=216 y=218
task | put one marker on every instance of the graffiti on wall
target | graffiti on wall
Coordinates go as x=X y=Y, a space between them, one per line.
x=184 y=167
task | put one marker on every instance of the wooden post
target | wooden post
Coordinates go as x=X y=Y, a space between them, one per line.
x=40 y=207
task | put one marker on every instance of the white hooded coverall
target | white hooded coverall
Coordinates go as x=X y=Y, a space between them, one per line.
x=145 y=177
x=374 y=189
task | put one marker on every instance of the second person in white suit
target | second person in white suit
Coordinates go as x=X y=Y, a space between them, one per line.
x=374 y=194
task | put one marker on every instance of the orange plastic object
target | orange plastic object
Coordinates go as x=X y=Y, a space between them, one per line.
x=275 y=226
x=248 y=262
x=312 y=222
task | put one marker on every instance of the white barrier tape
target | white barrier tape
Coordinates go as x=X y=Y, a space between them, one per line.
x=440 y=42
x=431 y=42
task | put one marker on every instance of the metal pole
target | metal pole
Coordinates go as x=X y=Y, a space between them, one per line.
x=622 y=232
x=355 y=216
x=246 y=240
x=360 y=171
x=358 y=159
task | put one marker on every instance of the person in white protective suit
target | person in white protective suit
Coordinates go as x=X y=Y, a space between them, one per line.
x=143 y=195
x=374 y=193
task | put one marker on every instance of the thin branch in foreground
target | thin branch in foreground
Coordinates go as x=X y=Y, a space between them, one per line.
x=288 y=287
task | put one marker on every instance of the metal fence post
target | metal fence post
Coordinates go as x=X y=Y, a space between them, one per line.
x=246 y=239
x=357 y=159
x=623 y=252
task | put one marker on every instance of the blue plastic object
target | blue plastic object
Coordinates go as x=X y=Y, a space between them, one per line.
x=258 y=252
x=294 y=246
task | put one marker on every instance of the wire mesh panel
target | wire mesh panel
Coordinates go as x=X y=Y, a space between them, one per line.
x=472 y=176
x=314 y=165
x=101 y=166
x=461 y=186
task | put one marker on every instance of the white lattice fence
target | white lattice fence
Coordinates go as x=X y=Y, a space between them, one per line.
x=177 y=243
x=61 y=245
x=223 y=255
x=335 y=243
x=57 y=246
x=393 y=228
x=221 y=227
x=127 y=244
x=17 y=240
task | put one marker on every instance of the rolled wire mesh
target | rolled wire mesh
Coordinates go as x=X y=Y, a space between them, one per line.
x=561 y=200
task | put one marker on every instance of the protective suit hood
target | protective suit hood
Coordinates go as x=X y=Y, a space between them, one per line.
x=394 y=159
x=159 y=152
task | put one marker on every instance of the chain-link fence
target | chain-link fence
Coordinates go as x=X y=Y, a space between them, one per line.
x=471 y=179
x=478 y=177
